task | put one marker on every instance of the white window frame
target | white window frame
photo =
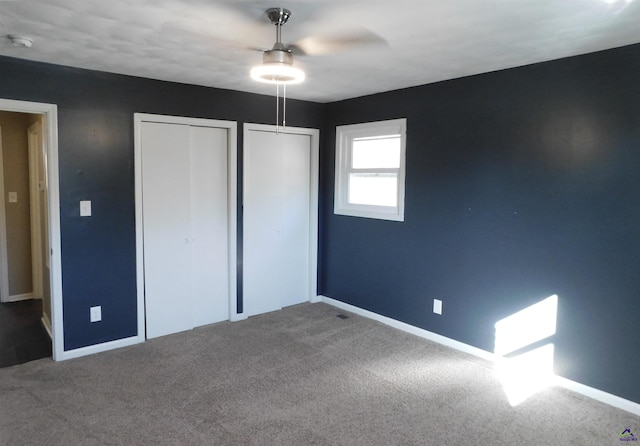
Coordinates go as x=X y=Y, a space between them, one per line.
x=345 y=134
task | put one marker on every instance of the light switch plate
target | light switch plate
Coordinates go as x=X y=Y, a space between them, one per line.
x=13 y=197
x=85 y=208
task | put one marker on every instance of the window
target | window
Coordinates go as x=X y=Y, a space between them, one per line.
x=370 y=164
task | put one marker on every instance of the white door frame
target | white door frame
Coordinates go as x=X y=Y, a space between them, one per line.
x=232 y=178
x=35 y=186
x=4 y=256
x=50 y=138
x=314 y=135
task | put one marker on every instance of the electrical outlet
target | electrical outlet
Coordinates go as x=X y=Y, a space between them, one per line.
x=437 y=306
x=95 y=313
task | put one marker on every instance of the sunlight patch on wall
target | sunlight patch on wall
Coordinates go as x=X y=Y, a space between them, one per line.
x=524 y=374
x=526 y=327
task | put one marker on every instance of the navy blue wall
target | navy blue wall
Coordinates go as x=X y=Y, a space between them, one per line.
x=520 y=184
x=95 y=122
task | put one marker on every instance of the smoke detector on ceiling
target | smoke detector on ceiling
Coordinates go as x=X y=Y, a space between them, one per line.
x=21 y=41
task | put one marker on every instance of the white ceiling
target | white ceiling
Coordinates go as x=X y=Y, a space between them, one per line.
x=204 y=42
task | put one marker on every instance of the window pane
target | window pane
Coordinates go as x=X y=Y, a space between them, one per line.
x=376 y=153
x=377 y=189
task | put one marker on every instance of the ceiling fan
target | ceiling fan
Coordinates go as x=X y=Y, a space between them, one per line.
x=277 y=64
x=277 y=67
x=210 y=27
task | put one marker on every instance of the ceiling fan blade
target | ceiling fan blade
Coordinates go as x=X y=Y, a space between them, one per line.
x=209 y=36
x=337 y=43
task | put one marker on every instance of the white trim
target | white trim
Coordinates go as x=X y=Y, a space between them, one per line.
x=46 y=323
x=410 y=329
x=4 y=256
x=238 y=317
x=314 y=135
x=19 y=297
x=587 y=391
x=232 y=209
x=50 y=139
x=598 y=395
x=99 y=348
x=232 y=176
x=137 y=119
x=35 y=154
x=345 y=135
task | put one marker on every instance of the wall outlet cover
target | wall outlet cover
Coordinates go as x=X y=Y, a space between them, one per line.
x=95 y=313
x=437 y=306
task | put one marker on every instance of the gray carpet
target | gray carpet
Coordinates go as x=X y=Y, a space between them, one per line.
x=301 y=376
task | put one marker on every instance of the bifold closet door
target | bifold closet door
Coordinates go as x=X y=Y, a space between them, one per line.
x=184 y=181
x=209 y=225
x=277 y=182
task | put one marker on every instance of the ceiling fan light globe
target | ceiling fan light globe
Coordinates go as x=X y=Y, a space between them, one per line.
x=277 y=73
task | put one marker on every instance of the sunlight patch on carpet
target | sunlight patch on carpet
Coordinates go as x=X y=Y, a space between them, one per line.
x=524 y=368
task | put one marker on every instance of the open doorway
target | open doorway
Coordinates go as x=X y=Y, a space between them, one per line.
x=25 y=307
x=30 y=273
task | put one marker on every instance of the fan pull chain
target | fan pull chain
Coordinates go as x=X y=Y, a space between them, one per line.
x=277 y=107
x=284 y=107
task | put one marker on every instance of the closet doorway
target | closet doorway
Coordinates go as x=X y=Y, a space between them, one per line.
x=186 y=222
x=280 y=217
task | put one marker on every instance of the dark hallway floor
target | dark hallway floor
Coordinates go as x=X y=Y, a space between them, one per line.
x=22 y=336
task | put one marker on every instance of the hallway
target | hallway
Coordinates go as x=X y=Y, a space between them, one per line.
x=22 y=336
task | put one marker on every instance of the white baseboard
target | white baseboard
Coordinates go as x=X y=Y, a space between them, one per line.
x=105 y=346
x=238 y=317
x=599 y=395
x=98 y=348
x=46 y=323
x=590 y=392
x=19 y=297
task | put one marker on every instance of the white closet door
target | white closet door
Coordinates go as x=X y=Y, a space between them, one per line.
x=276 y=234
x=185 y=215
x=209 y=225
x=167 y=228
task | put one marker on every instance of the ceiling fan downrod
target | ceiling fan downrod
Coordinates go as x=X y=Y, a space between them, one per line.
x=279 y=54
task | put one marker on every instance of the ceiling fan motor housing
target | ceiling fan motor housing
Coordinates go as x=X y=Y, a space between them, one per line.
x=277 y=56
